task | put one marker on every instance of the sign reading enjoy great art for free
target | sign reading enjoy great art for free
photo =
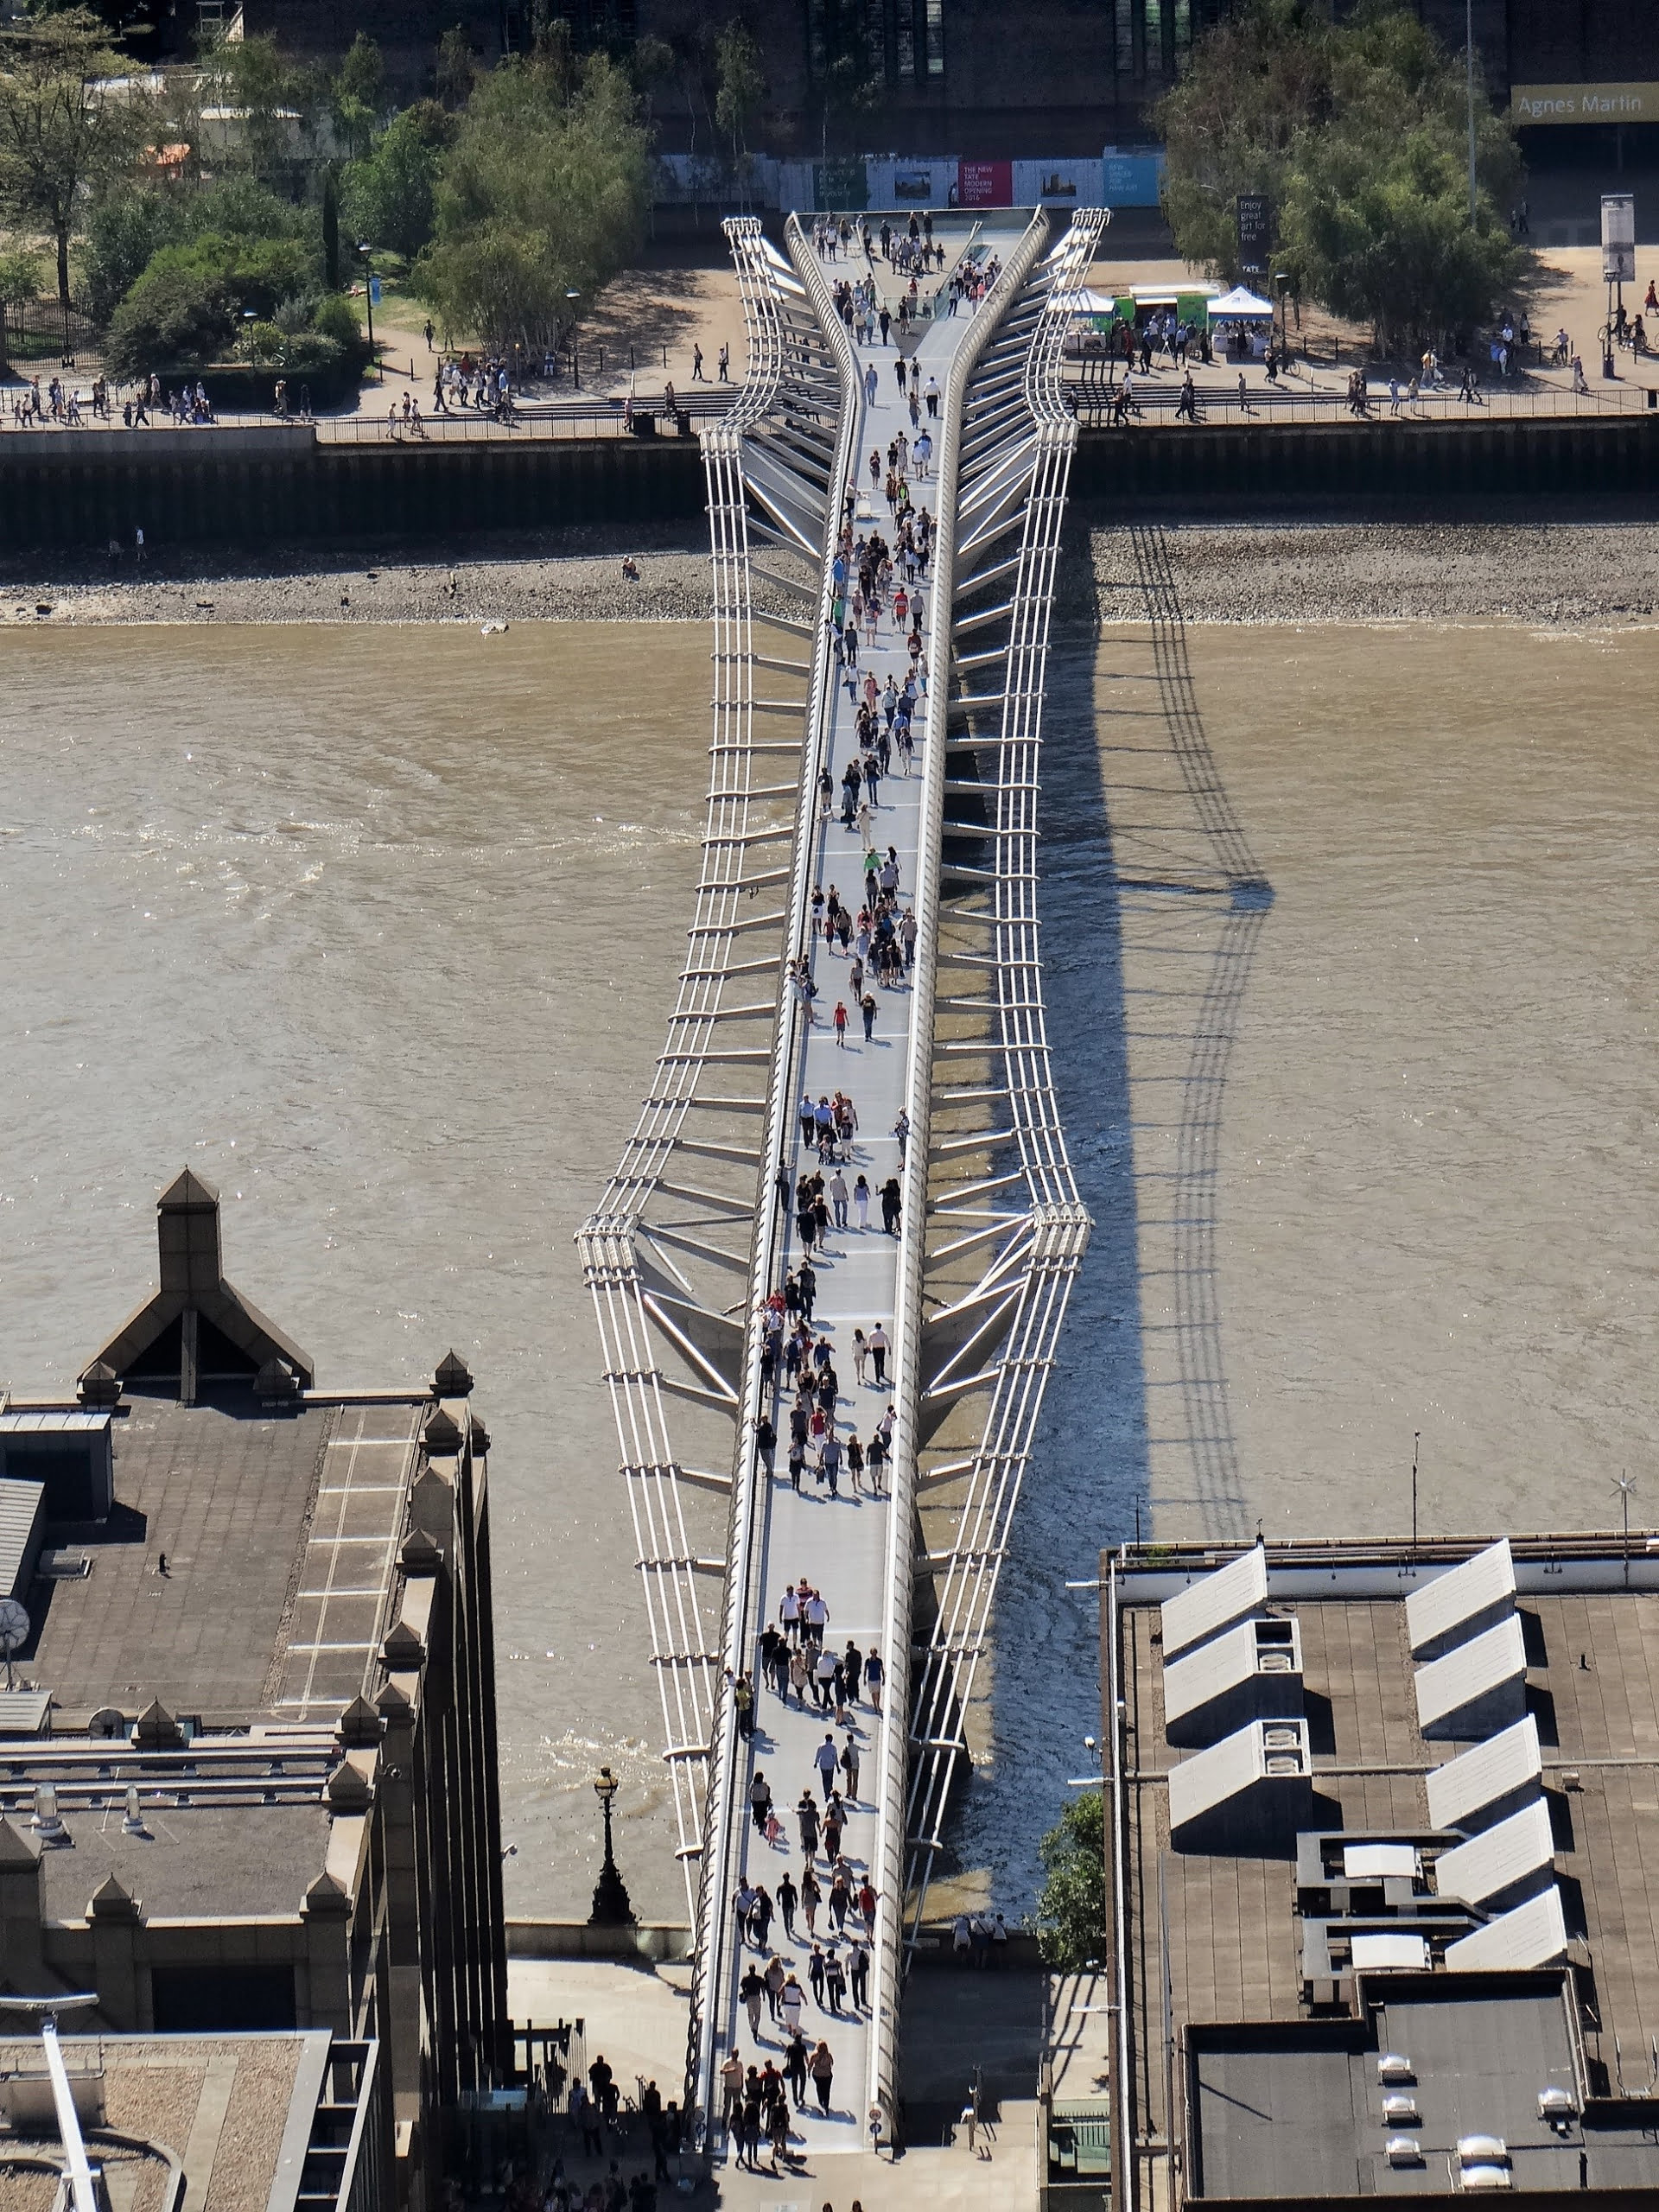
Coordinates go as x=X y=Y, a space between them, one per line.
x=1534 y=104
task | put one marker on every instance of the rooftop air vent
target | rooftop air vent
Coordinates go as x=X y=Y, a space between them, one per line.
x=46 y=1821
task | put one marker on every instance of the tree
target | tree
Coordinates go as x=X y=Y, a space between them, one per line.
x=541 y=194
x=20 y=283
x=1255 y=84
x=355 y=92
x=1358 y=134
x=124 y=230
x=391 y=198
x=61 y=129
x=457 y=71
x=1071 y=1911
x=330 y=221
x=742 y=85
x=268 y=99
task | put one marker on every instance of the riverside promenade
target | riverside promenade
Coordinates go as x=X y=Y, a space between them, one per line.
x=698 y=1230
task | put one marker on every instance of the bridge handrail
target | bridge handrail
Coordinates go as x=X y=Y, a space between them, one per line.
x=887 y=1864
x=724 y=1821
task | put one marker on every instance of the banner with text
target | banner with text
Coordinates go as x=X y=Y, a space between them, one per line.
x=1530 y=104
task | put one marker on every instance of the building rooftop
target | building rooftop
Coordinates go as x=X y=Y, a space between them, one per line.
x=279 y=1531
x=238 y=2110
x=1267 y=1940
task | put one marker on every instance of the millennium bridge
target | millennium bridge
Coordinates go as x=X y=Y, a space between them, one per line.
x=699 y=1229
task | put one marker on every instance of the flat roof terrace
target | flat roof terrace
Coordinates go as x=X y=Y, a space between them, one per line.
x=279 y=1533
x=1225 y=1924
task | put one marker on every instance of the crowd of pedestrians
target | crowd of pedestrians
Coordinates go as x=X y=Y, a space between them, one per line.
x=805 y=1909
x=807 y=1942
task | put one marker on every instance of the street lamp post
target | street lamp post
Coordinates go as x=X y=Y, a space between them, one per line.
x=612 y=1907
x=365 y=250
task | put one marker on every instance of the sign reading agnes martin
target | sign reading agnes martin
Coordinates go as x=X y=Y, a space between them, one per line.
x=1534 y=104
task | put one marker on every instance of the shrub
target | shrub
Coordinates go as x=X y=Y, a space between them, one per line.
x=124 y=230
x=336 y=318
x=174 y=317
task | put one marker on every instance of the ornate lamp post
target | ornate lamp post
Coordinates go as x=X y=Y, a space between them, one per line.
x=612 y=1908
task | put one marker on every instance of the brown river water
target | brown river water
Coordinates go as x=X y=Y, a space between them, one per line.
x=1350 y=941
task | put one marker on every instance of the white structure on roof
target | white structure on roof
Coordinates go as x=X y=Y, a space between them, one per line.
x=1478 y=1687
x=1253 y=1787
x=1498 y=1860
x=1460 y=1602
x=1253 y=1672
x=22 y=1521
x=1380 y=1862
x=1476 y=1780
x=1215 y=1602
x=1534 y=1934
x=1388 y=1952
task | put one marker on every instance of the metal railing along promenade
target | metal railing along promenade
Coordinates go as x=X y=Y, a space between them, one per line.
x=688 y=1241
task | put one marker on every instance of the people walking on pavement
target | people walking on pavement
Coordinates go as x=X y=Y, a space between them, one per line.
x=849 y=1766
x=826 y=1759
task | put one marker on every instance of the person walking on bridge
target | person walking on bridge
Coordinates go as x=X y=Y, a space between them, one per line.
x=826 y=1759
x=878 y=1341
x=849 y=1760
x=822 y=2068
x=806 y=1813
x=892 y=1206
x=838 y=1182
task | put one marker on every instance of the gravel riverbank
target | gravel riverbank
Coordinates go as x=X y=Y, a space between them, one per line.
x=1557 y=574
x=562 y=575
x=1567 y=575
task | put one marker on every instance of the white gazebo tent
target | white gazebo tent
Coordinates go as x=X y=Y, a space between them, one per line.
x=1240 y=306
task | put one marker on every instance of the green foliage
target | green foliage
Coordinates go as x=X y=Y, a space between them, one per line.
x=60 y=131
x=20 y=279
x=742 y=83
x=457 y=70
x=331 y=230
x=355 y=93
x=272 y=100
x=543 y=193
x=335 y=317
x=124 y=229
x=390 y=198
x=1072 y=1910
x=1357 y=133
x=174 y=317
x=251 y=272
x=273 y=345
